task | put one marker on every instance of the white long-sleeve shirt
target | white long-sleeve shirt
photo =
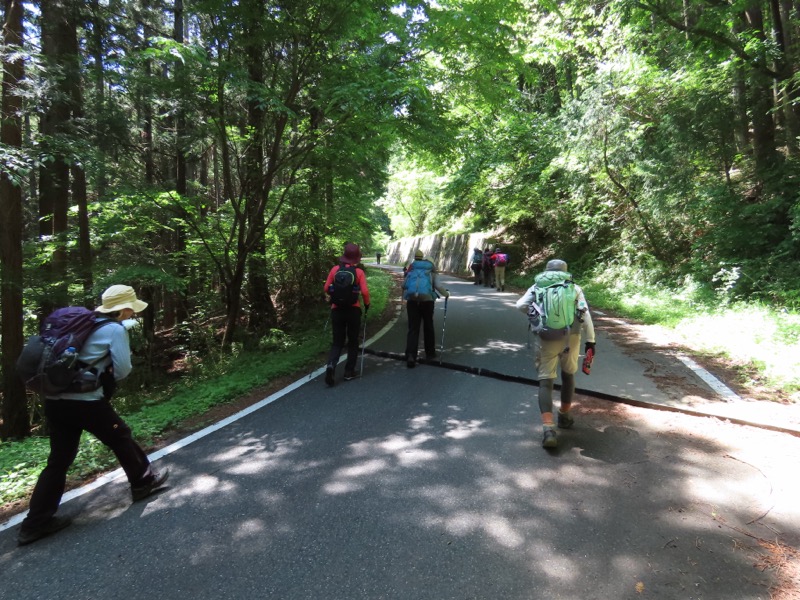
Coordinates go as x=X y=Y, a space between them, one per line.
x=110 y=344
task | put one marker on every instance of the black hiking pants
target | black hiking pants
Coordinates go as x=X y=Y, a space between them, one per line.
x=345 y=324
x=67 y=420
x=420 y=312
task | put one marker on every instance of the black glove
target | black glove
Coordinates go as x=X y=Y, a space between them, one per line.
x=589 y=346
x=366 y=308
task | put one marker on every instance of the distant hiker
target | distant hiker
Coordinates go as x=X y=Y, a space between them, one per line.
x=500 y=260
x=420 y=290
x=488 y=268
x=558 y=313
x=347 y=287
x=476 y=264
x=378 y=256
x=69 y=414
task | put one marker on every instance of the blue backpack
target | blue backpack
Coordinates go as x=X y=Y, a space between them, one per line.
x=419 y=281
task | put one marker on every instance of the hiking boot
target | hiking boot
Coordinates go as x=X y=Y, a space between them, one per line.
x=53 y=525
x=565 y=420
x=141 y=492
x=349 y=375
x=549 y=440
x=329 y=376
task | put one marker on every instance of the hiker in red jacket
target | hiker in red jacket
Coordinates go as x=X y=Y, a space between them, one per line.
x=347 y=287
x=500 y=260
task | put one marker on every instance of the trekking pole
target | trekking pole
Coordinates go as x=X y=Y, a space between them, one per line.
x=444 y=324
x=363 y=344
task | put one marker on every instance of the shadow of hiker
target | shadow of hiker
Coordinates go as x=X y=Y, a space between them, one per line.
x=613 y=444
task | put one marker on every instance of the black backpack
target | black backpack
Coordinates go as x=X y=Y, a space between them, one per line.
x=345 y=289
x=49 y=361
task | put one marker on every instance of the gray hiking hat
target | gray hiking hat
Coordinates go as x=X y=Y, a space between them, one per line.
x=556 y=265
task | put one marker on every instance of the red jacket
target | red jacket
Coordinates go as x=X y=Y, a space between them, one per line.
x=361 y=280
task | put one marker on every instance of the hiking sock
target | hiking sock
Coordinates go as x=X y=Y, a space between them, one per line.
x=545 y=395
x=567 y=388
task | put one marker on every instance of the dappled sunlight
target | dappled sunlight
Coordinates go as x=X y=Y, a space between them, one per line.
x=353 y=478
x=202 y=485
x=252 y=466
x=337 y=488
x=416 y=457
x=369 y=467
x=560 y=568
x=249 y=528
x=525 y=481
x=488 y=348
x=397 y=443
x=237 y=452
x=465 y=523
x=262 y=457
x=504 y=345
x=420 y=421
x=459 y=430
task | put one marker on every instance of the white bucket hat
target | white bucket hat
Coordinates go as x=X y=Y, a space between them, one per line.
x=118 y=297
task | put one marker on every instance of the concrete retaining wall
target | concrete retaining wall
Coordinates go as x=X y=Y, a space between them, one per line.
x=451 y=253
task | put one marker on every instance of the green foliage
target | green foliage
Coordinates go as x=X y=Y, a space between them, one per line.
x=20 y=464
x=754 y=335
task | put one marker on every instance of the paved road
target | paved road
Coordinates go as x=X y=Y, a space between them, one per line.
x=430 y=484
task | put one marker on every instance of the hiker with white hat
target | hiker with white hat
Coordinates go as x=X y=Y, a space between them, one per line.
x=69 y=414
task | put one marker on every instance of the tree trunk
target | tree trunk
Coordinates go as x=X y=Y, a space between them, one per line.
x=54 y=175
x=181 y=313
x=761 y=104
x=15 y=407
x=256 y=189
x=96 y=43
x=789 y=92
x=79 y=196
x=146 y=106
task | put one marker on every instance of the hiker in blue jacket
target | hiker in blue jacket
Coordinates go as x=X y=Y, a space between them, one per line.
x=562 y=352
x=69 y=414
x=420 y=290
x=476 y=264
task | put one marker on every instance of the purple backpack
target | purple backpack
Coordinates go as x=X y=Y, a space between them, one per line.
x=49 y=361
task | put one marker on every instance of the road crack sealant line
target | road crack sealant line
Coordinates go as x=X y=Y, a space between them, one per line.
x=480 y=371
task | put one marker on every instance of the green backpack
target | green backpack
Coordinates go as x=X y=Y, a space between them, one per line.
x=552 y=311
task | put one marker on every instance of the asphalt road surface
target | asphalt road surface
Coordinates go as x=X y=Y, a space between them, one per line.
x=431 y=484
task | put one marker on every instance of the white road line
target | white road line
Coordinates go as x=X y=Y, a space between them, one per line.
x=715 y=384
